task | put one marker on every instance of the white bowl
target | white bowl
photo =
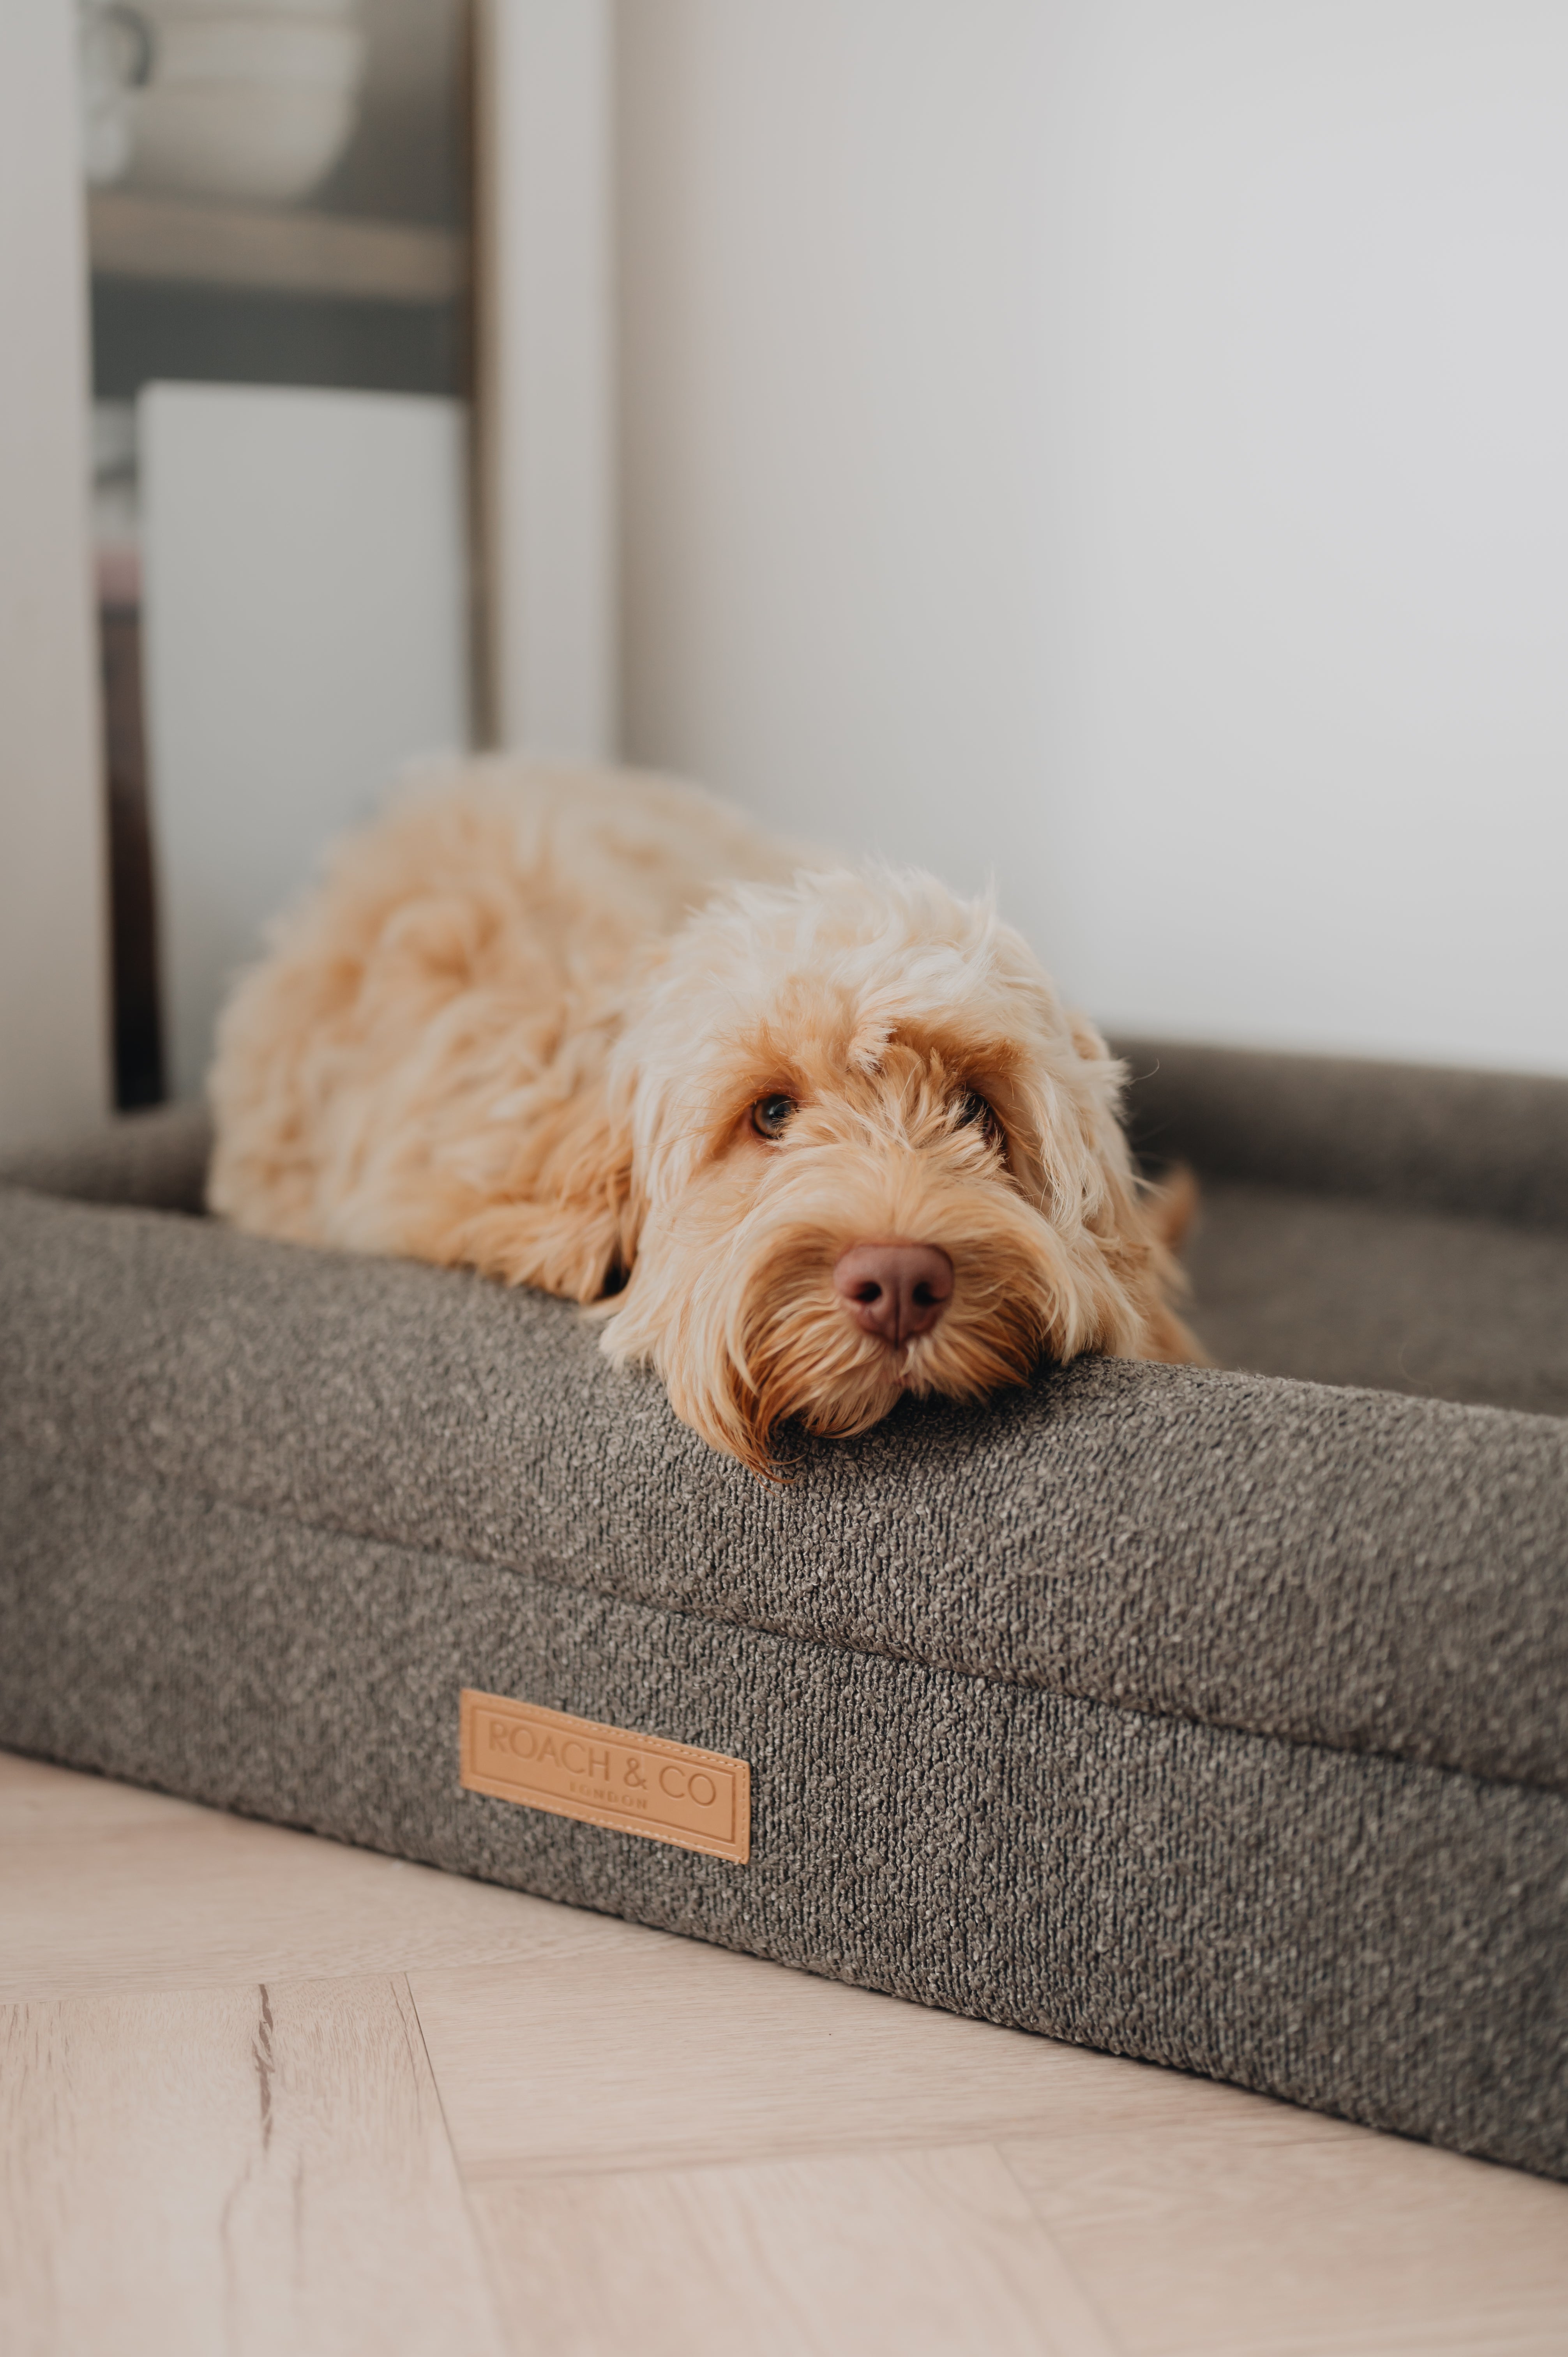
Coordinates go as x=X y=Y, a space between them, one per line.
x=244 y=142
x=213 y=49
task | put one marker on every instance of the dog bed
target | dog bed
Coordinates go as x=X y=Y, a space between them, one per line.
x=1208 y=1717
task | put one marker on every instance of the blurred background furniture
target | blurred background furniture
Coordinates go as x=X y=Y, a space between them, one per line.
x=1116 y=448
x=309 y=251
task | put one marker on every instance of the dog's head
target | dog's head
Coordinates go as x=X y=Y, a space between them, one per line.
x=864 y=1152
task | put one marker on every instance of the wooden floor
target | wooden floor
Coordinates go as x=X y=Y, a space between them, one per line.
x=264 y=2094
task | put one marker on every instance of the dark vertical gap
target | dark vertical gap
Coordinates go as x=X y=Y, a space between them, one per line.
x=138 y=1018
x=478 y=195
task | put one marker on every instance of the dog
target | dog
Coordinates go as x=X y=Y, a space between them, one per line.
x=806 y=1137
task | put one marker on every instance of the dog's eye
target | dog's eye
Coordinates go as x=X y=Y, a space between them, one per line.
x=771 y=1116
x=975 y=1112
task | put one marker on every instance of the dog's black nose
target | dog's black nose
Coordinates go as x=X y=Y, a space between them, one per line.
x=895 y=1290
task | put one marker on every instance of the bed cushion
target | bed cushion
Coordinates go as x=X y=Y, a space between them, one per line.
x=1206 y=1716
x=1372 y=1223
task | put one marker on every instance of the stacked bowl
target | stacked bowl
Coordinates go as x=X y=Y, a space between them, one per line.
x=235 y=100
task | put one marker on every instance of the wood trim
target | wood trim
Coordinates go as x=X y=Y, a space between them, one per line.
x=159 y=238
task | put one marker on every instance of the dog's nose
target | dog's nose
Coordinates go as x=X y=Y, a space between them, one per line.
x=895 y=1290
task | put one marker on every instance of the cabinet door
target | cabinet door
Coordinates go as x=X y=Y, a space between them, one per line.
x=305 y=595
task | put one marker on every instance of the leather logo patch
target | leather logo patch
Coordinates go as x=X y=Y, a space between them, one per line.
x=603 y=1776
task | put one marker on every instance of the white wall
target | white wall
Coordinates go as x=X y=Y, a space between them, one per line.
x=54 y=1007
x=1122 y=443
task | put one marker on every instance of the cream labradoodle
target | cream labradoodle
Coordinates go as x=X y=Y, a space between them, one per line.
x=810 y=1137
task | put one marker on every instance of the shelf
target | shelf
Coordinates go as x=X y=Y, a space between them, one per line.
x=156 y=238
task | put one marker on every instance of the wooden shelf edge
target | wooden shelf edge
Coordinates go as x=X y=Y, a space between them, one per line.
x=162 y=240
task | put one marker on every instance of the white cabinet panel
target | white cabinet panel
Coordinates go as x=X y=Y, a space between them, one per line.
x=546 y=382
x=306 y=610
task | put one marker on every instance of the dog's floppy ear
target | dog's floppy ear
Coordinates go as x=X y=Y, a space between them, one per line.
x=567 y=1222
x=1138 y=1226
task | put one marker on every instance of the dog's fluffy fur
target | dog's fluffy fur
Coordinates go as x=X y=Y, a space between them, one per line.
x=521 y=1028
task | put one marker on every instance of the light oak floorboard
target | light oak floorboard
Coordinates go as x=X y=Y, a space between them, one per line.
x=669 y=2054
x=736 y=2150
x=258 y=2171
x=915 y=2254
x=1194 y=2243
x=41 y=1802
x=105 y=1888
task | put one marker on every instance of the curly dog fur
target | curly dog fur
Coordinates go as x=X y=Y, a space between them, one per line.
x=594 y=1032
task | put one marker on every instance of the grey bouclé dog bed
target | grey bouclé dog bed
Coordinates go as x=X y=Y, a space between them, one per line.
x=1213 y=1717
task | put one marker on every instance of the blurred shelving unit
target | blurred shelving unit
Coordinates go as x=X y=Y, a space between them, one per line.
x=162 y=241
x=480 y=286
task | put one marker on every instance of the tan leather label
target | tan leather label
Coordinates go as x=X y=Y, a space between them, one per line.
x=603 y=1776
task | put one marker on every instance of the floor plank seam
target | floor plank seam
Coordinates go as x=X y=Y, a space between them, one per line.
x=493 y=2286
